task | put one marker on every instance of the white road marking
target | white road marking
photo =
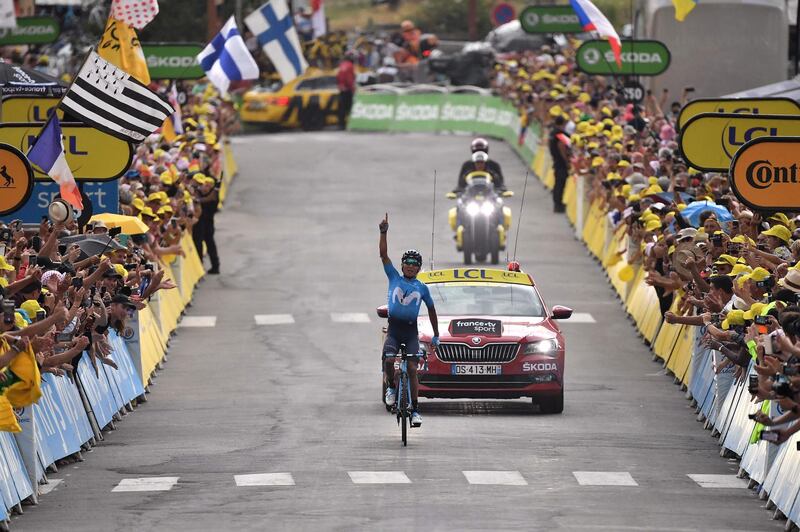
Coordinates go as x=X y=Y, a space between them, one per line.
x=264 y=479
x=719 y=481
x=378 y=477
x=350 y=317
x=504 y=478
x=52 y=484
x=146 y=484
x=274 y=319
x=604 y=478
x=198 y=321
x=580 y=317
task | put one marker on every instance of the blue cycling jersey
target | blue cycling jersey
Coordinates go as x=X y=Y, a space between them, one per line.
x=405 y=295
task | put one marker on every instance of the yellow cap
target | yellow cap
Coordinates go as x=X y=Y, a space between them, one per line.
x=623 y=164
x=734 y=317
x=597 y=161
x=779 y=231
x=31 y=307
x=138 y=203
x=653 y=225
x=4 y=265
x=755 y=309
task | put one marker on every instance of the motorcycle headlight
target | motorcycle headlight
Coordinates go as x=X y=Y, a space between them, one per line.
x=544 y=347
x=487 y=208
x=473 y=208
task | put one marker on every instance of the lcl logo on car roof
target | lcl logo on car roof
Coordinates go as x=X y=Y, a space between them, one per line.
x=476 y=340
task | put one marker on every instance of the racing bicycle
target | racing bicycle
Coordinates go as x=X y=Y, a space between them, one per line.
x=402 y=405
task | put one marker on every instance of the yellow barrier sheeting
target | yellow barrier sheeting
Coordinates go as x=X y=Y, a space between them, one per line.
x=152 y=350
x=681 y=356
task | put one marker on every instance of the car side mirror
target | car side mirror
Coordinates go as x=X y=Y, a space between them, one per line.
x=451 y=195
x=383 y=311
x=561 y=313
x=508 y=193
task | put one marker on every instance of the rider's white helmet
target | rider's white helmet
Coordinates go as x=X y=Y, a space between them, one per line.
x=480 y=157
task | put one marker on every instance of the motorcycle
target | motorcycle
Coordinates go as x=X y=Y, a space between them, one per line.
x=479 y=219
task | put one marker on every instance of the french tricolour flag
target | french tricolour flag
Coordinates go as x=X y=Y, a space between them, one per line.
x=48 y=154
x=592 y=19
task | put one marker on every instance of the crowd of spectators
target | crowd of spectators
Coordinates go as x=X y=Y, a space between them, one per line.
x=64 y=286
x=713 y=263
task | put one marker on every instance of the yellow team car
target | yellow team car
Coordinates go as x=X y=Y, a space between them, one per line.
x=310 y=101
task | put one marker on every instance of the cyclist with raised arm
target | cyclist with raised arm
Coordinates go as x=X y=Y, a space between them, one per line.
x=406 y=294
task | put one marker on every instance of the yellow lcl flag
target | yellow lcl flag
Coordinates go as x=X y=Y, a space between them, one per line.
x=121 y=47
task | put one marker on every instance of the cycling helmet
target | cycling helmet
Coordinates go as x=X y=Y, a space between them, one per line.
x=480 y=144
x=412 y=255
x=480 y=157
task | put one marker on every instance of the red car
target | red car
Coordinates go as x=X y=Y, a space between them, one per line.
x=498 y=340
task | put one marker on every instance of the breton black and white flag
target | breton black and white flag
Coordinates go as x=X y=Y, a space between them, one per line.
x=111 y=100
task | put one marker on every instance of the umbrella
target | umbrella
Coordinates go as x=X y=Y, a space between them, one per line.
x=693 y=211
x=667 y=197
x=91 y=245
x=15 y=79
x=130 y=225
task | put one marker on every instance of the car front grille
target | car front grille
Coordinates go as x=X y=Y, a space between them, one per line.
x=457 y=352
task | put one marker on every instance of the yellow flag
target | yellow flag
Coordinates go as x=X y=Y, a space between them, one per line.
x=27 y=390
x=8 y=420
x=168 y=130
x=120 y=46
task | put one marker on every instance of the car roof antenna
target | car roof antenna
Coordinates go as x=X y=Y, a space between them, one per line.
x=521 y=207
x=433 y=215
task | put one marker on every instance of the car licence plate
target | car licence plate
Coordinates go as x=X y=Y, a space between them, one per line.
x=476 y=369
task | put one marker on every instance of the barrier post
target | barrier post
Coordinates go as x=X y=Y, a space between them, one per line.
x=133 y=342
x=26 y=442
x=579 y=210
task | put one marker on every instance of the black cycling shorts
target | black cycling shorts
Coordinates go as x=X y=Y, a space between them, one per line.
x=401 y=332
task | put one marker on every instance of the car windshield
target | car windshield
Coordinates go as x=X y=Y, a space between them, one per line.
x=495 y=299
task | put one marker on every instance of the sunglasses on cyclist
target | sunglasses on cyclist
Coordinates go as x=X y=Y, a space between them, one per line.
x=411 y=262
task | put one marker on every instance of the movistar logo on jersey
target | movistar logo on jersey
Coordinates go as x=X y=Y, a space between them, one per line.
x=403 y=298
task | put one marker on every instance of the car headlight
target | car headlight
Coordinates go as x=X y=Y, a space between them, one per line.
x=487 y=208
x=543 y=347
x=424 y=347
x=473 y=208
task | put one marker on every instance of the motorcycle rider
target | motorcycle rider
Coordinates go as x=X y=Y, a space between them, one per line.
x=481 y=145
x=406 y=294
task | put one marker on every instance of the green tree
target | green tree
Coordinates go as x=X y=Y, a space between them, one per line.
x=448 y=18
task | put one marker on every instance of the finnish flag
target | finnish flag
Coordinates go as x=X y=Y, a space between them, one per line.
x=273 y=27
x=226 y=58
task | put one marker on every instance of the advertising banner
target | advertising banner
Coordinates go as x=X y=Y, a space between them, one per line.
x=417 y=112
x=550 y=19
x=173 y=60
x=28 y=108
x=640 y=58
x=764 y=173
x=709 y=140
x=372 y=112
x=91 y=154
x=104 y=197
x=747 y=106
x=31 y=30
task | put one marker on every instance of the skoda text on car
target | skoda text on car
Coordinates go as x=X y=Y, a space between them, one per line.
x=498 y=340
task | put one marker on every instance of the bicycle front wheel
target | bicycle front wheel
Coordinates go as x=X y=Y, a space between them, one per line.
x=403 y=403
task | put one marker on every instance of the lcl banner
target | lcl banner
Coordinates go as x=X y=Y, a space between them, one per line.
x=764 y=173
x=709 y=140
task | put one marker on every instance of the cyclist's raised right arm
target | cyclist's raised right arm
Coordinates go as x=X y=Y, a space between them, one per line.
x=383 y=247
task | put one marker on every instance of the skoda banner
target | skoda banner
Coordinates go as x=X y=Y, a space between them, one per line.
x=31 y=30
x=764 y=173
x=747 y=106
x=709 y=140
x=550 y=19
x=173 y=60
x=639 y=58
